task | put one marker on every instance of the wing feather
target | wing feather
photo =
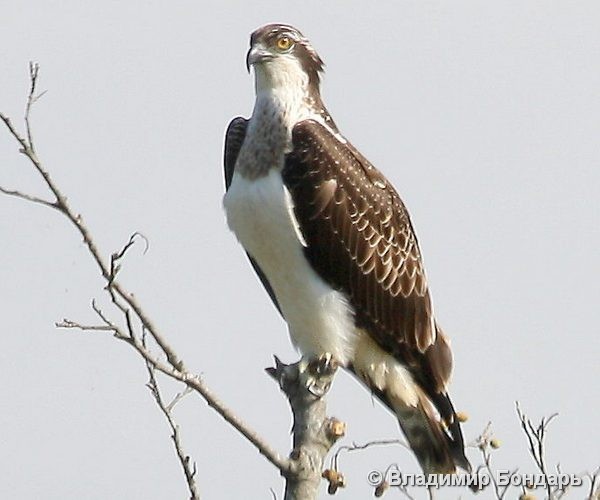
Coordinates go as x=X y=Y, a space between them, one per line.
x=234 y=138
x=359 y=237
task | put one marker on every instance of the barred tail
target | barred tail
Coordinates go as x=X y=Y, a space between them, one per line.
x=434 y=434
x=426 y=415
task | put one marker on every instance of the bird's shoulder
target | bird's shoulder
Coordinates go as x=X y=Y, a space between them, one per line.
x=234 y=138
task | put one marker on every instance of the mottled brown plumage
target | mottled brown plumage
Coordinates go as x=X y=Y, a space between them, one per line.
x=360 y=237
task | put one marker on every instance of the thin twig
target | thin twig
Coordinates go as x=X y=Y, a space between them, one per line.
x=34 y=69
x=115 y=267
x=535 y=437
x=358 y=447
x=196 y=384
x=66 y=323
x=188 y=466
x=485 y=443
x=178 y=397
x=401 y=487
x=27 y=197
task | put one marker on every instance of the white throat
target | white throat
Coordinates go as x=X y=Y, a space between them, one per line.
x=282 y=96
x=283 y=99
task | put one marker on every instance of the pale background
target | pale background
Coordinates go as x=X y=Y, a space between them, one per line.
x=485 y=115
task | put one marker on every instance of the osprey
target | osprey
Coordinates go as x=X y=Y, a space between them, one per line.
x=334 y=246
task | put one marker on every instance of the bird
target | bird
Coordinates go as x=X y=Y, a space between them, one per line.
x=334 y=246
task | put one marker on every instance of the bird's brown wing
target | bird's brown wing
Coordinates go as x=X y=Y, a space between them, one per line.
x=360 y=238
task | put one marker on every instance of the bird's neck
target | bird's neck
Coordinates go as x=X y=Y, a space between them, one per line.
x=268 y=137
x=278 y=109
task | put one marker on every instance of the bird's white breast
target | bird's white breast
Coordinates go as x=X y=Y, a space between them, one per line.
x=260 y=213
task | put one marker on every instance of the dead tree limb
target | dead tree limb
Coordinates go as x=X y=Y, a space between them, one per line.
x=305 y=385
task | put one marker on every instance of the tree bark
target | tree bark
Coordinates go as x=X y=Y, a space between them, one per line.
x=305 y=384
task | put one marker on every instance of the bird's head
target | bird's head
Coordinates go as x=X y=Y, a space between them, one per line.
x=282 y=57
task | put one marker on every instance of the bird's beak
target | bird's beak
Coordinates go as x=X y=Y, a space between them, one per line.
x=255 y=55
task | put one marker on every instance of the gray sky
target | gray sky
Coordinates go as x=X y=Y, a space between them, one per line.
x=485 y=115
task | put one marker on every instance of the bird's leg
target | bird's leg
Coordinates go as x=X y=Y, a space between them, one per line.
x=318 y=373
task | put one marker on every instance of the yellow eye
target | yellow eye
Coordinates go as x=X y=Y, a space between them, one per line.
x=284 y=43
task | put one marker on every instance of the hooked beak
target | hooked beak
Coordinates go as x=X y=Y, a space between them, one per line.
x=256 y=55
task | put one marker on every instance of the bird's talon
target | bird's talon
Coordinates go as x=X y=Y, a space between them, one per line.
x=325 y=364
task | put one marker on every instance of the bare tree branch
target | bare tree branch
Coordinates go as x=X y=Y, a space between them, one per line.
x=187 y=465
x=192 y=381
x=486 y=442
x=535 y=437
x=305 y=385
x=34 y=69
x=364 y=446
x=126 y=302
x=334 y=465
x=115 y=267
x=27 y=197
x=178 y=397
x=382 y=487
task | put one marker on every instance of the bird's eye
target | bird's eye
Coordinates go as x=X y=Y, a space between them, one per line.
x=284 y=43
